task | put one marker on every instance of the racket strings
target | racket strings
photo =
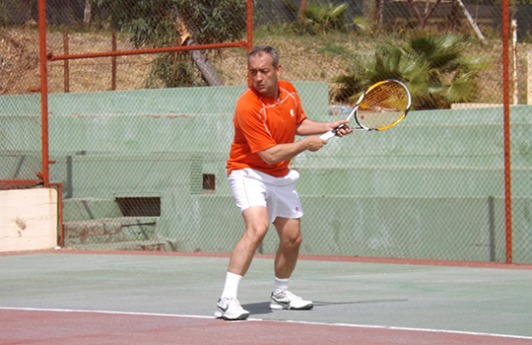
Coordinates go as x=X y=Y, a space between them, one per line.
x=387 y=96
x=383 y=106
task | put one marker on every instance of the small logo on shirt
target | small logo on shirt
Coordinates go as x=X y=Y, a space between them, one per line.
x=292 y=113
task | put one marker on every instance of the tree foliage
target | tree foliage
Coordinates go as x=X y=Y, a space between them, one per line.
x=153 y=22
x=326 y=17
x=434 y=67
x=157 y=23
x=318 y=17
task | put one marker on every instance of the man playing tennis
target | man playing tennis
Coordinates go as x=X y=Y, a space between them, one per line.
x=267 y=118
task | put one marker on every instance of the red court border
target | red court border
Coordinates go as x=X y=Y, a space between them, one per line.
x=66 y=327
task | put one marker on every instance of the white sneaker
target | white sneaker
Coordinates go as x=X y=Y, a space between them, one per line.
x=287 y=300
x=230 y=309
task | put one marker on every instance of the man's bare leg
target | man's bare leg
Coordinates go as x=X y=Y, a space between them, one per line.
x=256 y=223
x=290 y=239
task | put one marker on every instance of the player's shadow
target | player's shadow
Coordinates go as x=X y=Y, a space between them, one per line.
x=370 y=301
x=258 y=308
x=264 y=307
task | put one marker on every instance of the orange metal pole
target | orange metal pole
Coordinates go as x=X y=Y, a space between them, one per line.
x=239 y=44
x=7 y=184
x=249 y=22
x=66 y=50
x=44 y=175
x=302 y=10
x=113 y=61
x=249 y=25
x=507 y=138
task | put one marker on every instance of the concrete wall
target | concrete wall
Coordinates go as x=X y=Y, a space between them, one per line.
x=431 y=188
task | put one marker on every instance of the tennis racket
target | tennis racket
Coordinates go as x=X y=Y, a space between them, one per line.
x=380 y=107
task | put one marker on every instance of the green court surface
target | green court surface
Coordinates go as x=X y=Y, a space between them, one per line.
x=495 y=300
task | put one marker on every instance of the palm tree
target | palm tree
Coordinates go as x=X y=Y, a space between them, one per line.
x=434 y=67
x=318 y=17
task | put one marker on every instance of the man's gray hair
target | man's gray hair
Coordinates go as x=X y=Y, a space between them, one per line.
x=259 y=50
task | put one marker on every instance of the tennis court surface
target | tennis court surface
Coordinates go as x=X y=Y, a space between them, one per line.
x=66 y=297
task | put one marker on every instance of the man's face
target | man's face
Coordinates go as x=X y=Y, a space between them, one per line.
x=264 y=75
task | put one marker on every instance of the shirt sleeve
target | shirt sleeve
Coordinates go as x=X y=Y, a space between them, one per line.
x=254 y=128
x=300 y=112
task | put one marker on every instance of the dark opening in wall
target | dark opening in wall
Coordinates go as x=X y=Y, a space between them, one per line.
x=140 y=206
x=209 y=182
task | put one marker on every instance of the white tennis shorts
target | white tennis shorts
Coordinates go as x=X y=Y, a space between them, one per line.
x=278 y=194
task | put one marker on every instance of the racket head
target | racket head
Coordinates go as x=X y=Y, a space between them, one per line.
x=383 y=105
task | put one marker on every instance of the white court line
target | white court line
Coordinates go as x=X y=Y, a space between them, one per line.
x=410 y=329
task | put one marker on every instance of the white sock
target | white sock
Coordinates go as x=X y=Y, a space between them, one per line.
x=280 y=285
x=232 y=281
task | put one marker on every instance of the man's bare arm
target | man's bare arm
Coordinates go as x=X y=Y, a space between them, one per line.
x=282 y=152
x=309 y=127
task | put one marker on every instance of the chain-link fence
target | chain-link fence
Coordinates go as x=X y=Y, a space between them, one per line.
x=139 y=141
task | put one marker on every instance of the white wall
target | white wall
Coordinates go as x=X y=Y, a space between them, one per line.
x=28 y=219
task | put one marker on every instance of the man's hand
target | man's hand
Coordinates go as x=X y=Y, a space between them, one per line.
x=344 y=130
x=314 y=143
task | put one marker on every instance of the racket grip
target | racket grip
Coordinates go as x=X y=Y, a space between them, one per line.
x=328 y=135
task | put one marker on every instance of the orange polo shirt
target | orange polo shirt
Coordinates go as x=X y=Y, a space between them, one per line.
x=263 y=122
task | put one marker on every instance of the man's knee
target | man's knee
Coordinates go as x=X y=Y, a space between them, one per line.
x=256 y=232
x=292 y=241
